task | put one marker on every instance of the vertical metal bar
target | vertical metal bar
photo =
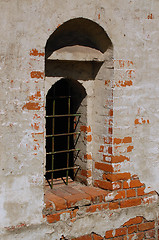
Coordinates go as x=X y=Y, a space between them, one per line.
x=68 y=138
x=53 y=131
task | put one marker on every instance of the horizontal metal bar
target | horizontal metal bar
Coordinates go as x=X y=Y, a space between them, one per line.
x=64 y=151
x=62 y=134
x=62 y=169
x=64 y=115
x=58 y=97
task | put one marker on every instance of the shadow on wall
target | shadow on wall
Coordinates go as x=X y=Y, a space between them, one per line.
x=81 y=70
x=76 y=32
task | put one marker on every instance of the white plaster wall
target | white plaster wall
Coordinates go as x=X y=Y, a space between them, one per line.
x=26 y=25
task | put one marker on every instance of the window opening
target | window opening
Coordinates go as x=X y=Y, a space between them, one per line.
x=61 y=135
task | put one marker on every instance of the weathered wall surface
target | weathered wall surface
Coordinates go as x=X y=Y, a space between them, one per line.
x=131 y=110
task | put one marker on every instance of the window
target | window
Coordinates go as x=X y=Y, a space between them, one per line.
x=62 y=119
x=78 y=64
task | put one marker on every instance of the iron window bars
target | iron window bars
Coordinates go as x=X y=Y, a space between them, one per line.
x=68 y=134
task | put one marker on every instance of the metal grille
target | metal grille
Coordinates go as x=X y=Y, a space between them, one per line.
x=70 y=120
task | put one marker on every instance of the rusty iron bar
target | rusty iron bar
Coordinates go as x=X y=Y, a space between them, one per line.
x=64 y=151
x=53 y=127
x=64 y=115
x=68 y=138
x=62 y=169
x=62 y=134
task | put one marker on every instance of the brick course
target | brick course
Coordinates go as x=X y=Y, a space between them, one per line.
x=135 y=228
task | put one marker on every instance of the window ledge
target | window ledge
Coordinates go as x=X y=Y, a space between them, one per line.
x=74 y=195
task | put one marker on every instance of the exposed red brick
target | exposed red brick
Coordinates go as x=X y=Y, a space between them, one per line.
x=117 y=140
x=135 y=183
x=126 y=185
x=127 y=139
x=120 y=158
x=101 y=148
x=35 y=52
x=132 y=221
x=110 y=150
x=113 y=205
x=111 y=112
x=123 y=83
x=73 y=199
x=141 y=121
x=130 y=148
x=146 y=226
x=120 y=231
x=130 y=202
x=59 y=202
x=120 y=195
x=150 y=16
x=37 y=74
x=97 y=195
x=117 y=176
x=103 y=184
x=104 y=166
x=85 y=129
x=31 y=106
x=132 y=229
x=109 y=234
x=107 y=185
x=141 y=191
x=88 y=138
x=94 y=208
x=60 y=193
x=131 y=193
x=110 y=130
x=53 y=217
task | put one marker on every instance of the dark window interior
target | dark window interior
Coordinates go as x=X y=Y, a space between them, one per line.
x=63 y=99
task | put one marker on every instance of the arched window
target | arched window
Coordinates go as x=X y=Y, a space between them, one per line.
x=78 y=63
x=62 y=131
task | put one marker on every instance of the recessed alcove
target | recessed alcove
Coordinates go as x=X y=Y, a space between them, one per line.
x=78 y=55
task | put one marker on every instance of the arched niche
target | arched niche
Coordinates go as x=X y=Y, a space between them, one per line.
x=78 y=31
x=80 y=51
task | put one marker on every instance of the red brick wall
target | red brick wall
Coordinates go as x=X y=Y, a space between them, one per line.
x=135 y=228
